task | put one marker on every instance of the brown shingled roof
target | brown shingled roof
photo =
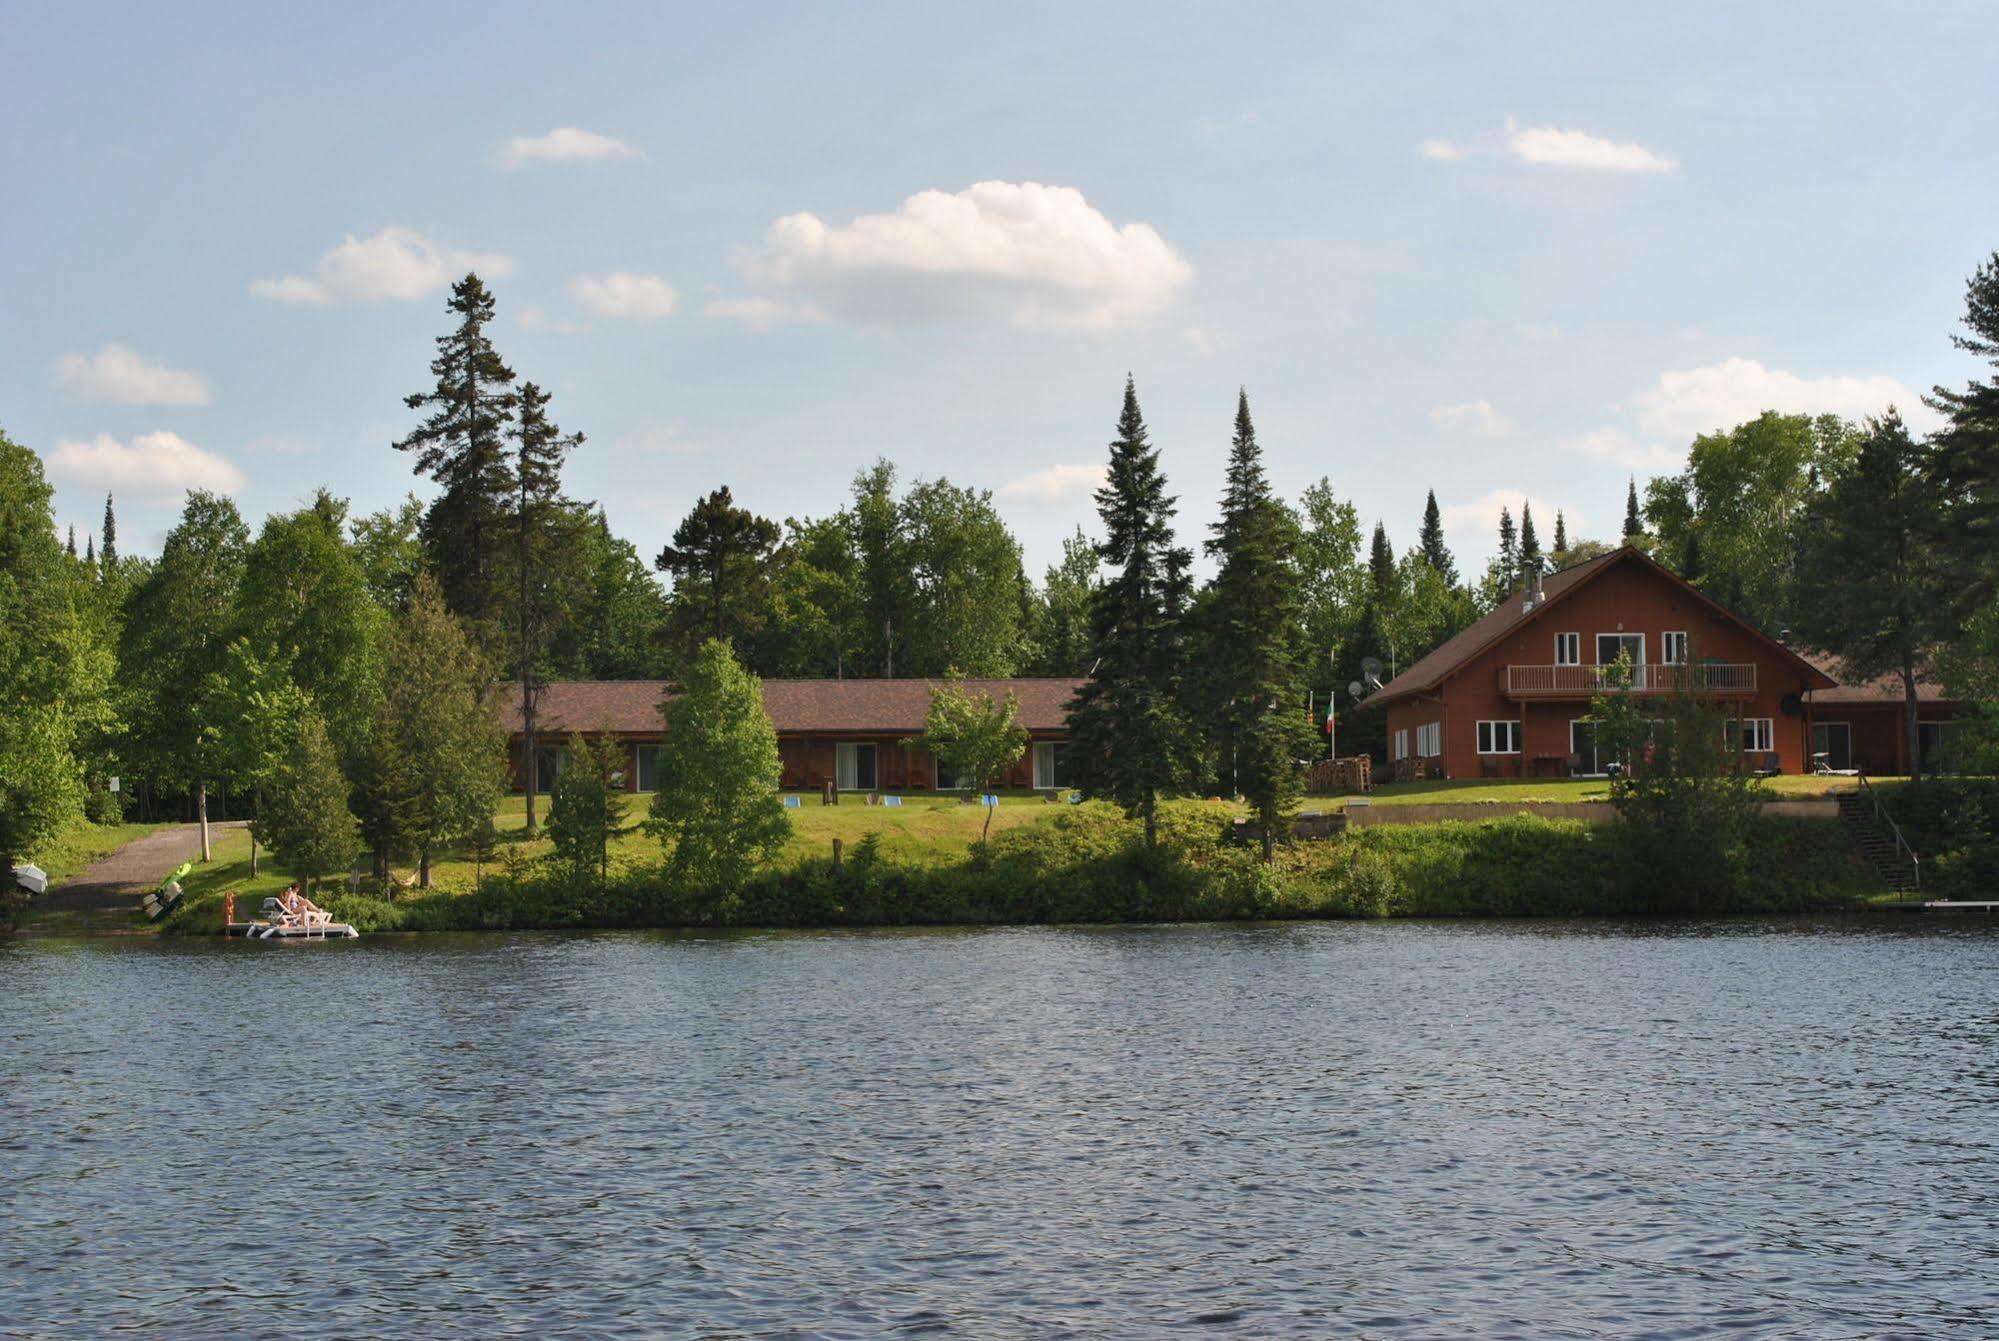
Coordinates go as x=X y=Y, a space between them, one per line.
x=1881 y=690
x=886 y=707
x=1434 y=668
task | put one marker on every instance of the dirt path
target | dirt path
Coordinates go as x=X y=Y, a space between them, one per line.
x=104 y=897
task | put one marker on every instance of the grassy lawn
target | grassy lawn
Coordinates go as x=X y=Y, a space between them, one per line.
x=83 y=843
x=1514 y=791
x=925 y=829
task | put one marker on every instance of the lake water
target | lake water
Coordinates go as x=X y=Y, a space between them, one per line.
x=1532 y=1130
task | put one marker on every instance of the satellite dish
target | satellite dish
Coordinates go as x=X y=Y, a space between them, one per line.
x=1370 y=668
x=1792 y=705
x=1355 y=688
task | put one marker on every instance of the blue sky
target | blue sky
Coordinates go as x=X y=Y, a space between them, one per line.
x=1500 y=252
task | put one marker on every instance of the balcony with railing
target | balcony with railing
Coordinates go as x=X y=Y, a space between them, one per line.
x=1721 y=678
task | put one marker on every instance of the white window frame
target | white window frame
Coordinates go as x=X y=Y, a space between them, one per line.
x=851 y=750
x=1429 y=740
x=1637 y=662
x=1489 y=736
x=1843 y=726
x=1758 y=735
x=1673 y=648
x=1568 y=649
x=1402 y=743
x=1044 y=773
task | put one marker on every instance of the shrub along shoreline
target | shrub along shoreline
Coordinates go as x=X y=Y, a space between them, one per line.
x=1088 y=864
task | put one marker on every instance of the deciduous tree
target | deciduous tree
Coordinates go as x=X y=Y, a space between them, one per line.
x=587 y=806
x=305 y=820
x=974 y=736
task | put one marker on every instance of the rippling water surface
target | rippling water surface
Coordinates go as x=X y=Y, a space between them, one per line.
x=1540 y=1130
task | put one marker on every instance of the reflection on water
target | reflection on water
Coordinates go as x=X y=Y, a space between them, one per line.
x=1534 y=1130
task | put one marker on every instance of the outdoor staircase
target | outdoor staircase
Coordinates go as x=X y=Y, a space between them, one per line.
x=1890 y=858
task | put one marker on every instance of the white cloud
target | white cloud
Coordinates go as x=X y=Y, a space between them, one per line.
x=1441 y=151
x=1621 y=449
x=535 y=319
x=156 y=466
x=396 y=263
x=763 y=314
x=625 y=295
x=1055 y=485
x=564 y=144
x=1472 y=529
x=1721 y=395
x=1546 y=146
x=1041 y=257
x=1473 y=416
x=117 y=373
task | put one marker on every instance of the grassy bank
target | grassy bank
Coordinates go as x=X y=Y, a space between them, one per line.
x=1517 y=791
x=1085 y=864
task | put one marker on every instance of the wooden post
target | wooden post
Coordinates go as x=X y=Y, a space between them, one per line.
x=836 y=854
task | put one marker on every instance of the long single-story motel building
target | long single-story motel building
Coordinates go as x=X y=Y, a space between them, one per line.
x=1510 y=695
x=847 y=732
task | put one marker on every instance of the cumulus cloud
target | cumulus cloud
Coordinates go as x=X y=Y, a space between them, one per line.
x=396 y=263
x=763 y=314
x=155 y=466
x=564 y=144
x=625 y=295
x=116 y=373
x=1040 y=257
x=1621 y=449
x=1721 y=395
x=1473 y=416
x=1441 y=151
x=1546 y=146
x=1056 y=484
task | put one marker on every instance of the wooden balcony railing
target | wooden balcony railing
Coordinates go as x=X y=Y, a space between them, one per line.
x=1707 y=677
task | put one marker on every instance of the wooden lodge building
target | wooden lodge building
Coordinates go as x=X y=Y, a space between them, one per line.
x=1510 y=695
x=847 y=732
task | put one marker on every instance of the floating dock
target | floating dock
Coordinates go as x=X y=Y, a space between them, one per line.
x=1941 y=906
x=265 y=931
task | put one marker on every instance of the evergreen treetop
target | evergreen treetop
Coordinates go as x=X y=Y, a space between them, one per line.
x=1431 y=540
x=110 y=550
x=1531 y=562
x=1634 y=524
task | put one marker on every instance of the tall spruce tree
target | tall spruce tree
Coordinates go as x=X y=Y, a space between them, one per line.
x=110 y=550
x=1129 y=735
x=1872 y=577
x=1964 y=464
x=70 y=548
x=1381 y=562
x=1254 y=624
x=544 y=548
x=1634 y=524
x=462 y=446
x=1531 y=562
x=1432 y=541
x=1509 y=552
x=1561 y=534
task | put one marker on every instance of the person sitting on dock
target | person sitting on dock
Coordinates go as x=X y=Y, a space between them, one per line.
x=299 y=911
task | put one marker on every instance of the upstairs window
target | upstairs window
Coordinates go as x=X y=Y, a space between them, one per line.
x=1568 y=649
x=1676 y=649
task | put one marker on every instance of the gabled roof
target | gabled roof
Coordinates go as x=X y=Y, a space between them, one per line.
x=885 y=707
x=1509 y=616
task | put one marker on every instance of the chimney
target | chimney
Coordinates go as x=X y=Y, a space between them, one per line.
x=1532 y=596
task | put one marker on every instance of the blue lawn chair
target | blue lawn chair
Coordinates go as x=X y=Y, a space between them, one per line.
x=791 y=803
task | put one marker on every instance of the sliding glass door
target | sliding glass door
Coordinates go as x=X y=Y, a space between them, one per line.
x=854 y=766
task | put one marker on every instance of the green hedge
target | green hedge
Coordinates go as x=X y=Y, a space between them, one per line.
x=1087 y=865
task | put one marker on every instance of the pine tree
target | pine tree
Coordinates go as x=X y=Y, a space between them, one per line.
x=587 y=806
x=541 y=527
x=1253 y=637
x=1509 y=553
x=462 y=446
x=1964 y=467
x=1432 y=541
x=1381 y=563
x=722 y=559
x=110 y=550
x=70 y=548
x=1531 y=565
x=1129 y=735
x=90 y=551
x=1561 y=535
x=1634 y=524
